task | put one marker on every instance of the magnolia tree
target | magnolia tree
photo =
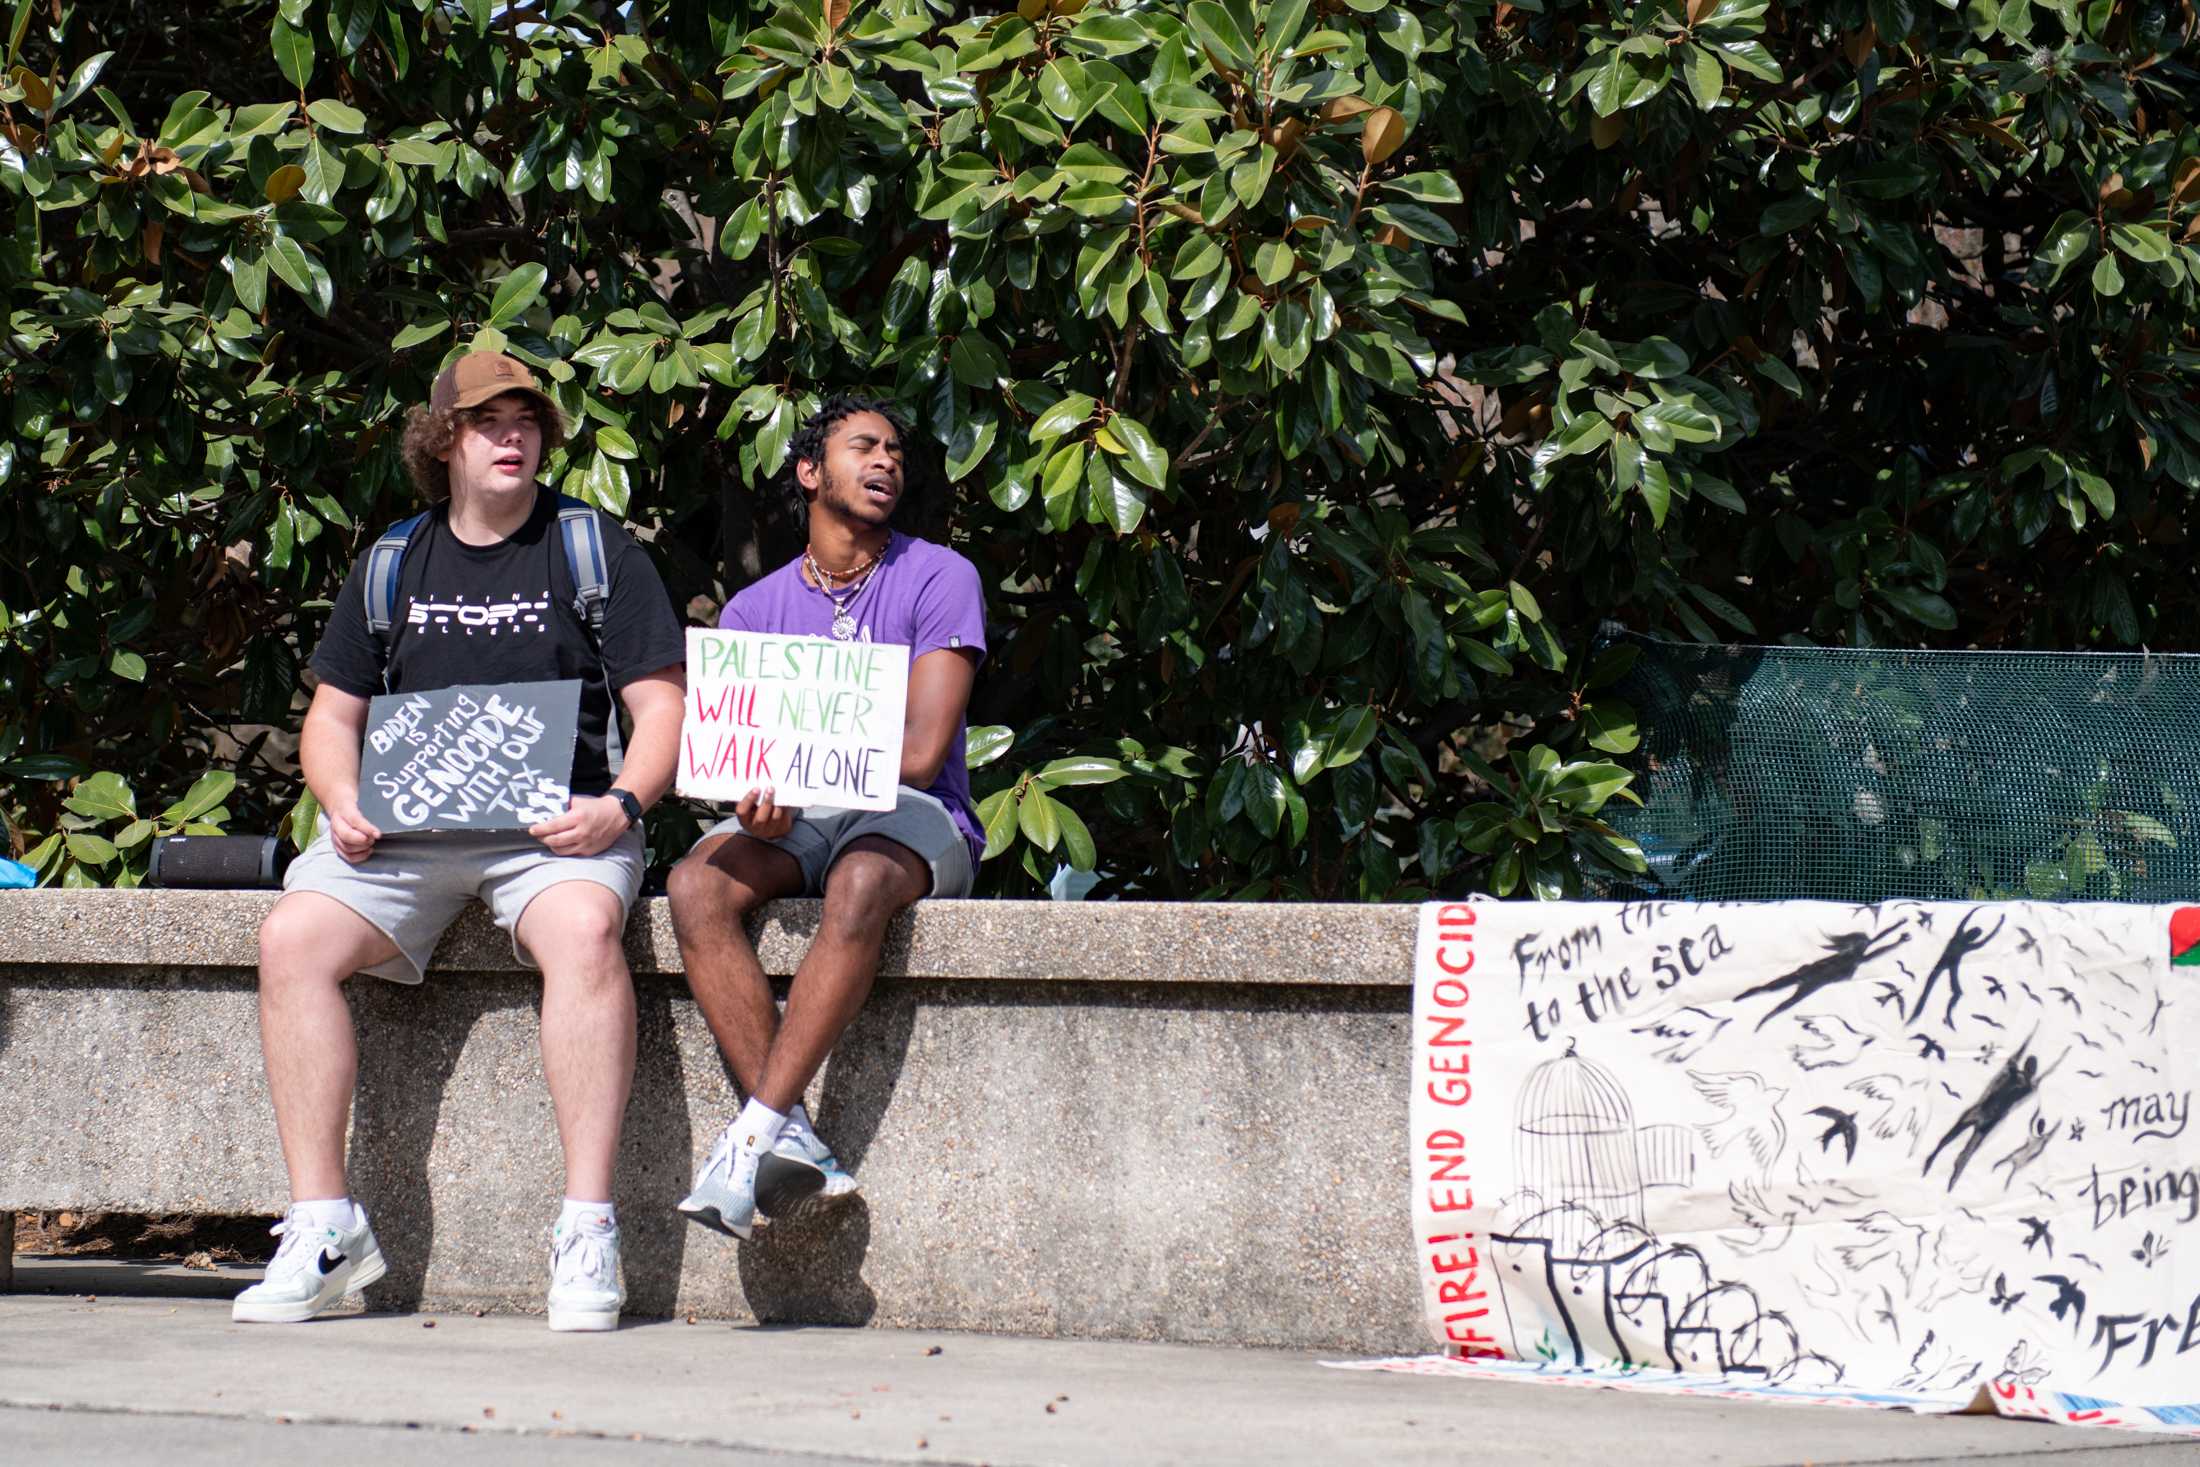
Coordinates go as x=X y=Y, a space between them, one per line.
x=1309 y=381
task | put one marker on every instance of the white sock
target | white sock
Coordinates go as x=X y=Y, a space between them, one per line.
x=333 y=1212
x=596 y=1216
x=799 y=1127
x=758 y=1126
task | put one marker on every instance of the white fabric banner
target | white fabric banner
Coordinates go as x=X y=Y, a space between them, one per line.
x=1926 y=1155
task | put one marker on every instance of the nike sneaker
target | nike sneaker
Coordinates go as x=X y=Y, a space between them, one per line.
x=585 y=1289
x=724 y=1195
x=800 y=1177
x=312 y=1269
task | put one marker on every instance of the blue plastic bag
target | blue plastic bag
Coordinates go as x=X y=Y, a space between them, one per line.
x=15 y=875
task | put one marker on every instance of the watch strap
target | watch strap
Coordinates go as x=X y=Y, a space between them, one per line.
x=632 y=806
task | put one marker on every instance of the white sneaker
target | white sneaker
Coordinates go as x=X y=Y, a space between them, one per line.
x=724 y=1195
x=312 y=1269
x=585 y=1289
x=801 y=1177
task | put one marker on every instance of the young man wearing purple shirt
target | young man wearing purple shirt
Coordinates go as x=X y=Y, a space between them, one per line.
x=858 y=579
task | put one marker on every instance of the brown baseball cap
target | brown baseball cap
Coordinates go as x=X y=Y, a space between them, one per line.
x=478 y=376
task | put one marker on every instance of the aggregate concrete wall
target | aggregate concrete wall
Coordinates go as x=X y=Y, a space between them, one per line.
x=1147 y=1122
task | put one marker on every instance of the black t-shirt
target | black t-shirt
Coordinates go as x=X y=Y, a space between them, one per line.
x=503 y=613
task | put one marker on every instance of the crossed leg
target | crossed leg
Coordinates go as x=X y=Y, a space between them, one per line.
x=725 y=879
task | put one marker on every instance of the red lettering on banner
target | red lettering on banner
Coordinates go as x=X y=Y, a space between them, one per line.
x=1459 y=1291
x=1451 y=939
x=1445 y=1028
x=1471 y=1343
x=1462 y=1301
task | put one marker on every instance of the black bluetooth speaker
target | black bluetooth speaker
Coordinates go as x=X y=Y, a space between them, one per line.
x=208 y=861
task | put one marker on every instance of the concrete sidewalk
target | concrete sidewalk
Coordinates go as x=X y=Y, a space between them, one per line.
x=94 y=1380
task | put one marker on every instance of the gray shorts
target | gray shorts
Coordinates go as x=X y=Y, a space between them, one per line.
x=918 y=821
x=413 y=886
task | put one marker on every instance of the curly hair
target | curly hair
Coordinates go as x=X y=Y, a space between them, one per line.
x=429 y=434
x=808 y=444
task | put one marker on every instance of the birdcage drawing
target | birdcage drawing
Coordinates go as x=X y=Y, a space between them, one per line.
x=1576 y=1151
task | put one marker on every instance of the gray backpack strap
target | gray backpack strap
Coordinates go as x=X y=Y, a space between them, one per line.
x=385 y=559
x=582 y=535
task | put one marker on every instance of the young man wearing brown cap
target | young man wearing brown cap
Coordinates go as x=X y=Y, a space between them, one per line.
x=483 y=588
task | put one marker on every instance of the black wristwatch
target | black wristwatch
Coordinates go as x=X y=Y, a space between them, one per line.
x=628 y=803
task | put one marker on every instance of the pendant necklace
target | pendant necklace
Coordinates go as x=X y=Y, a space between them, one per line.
x=844 y=624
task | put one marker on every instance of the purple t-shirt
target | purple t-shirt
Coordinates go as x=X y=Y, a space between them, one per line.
x=922 y=596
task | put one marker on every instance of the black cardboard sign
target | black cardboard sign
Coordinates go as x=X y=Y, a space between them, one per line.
x=471 y=757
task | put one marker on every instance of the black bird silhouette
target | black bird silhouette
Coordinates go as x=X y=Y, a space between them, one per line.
x=1885 y=1314
x=1845 y=954
x=1966 y=940
x=1993 y=986
x=2028 y=993
x=2002 y=1296
x=2160 y=1004
x=2069 y=1298
x=1889 y=993
x=1990 y=1023
x=2038 y=1230
x=1928 y=1047
x=1841 y=1123
x=2069 y=998
x=2031 y=945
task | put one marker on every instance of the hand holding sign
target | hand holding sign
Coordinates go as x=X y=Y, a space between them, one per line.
x=813 y=721
x=762 y=815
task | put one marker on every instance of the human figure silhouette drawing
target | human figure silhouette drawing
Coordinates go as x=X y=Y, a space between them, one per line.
x=1968 y=938
x=1846 y=954
x=2016 y=1082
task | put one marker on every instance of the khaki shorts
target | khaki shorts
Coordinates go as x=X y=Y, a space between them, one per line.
x=413 y=886
x=918 y=821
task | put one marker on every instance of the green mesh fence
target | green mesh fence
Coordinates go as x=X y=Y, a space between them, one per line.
x=1859 y=775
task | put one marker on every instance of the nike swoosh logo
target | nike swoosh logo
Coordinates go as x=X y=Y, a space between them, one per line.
x=331 y=1260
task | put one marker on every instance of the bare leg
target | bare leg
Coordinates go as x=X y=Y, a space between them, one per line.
x=712 y=892
x=873 y=879
x=575 y=930
x=309 y=945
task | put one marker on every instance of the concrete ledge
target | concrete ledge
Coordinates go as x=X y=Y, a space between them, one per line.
x=1147 y=1121
x=1149 y=942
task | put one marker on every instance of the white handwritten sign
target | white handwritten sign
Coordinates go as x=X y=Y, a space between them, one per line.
x=472 y=757
x=816 y=721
